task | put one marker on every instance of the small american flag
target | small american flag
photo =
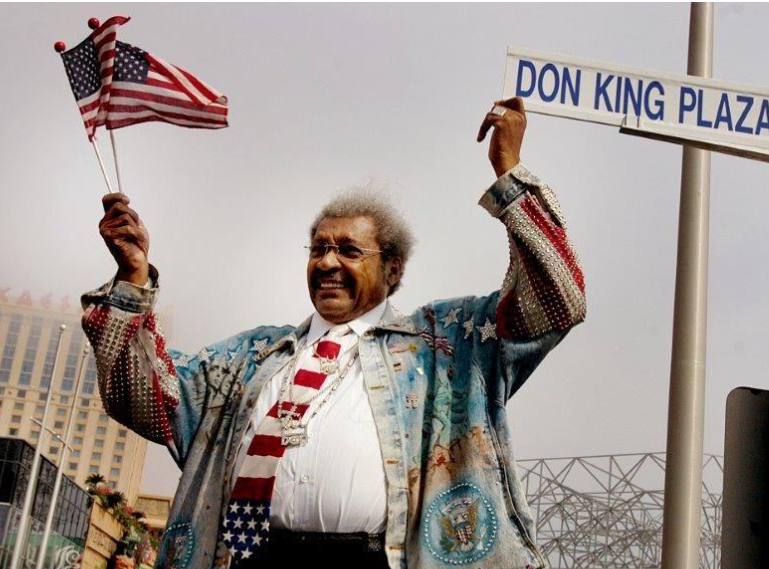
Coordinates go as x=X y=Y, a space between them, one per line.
x=116 y=85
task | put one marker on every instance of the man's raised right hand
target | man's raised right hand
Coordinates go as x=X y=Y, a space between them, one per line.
x=126 y=238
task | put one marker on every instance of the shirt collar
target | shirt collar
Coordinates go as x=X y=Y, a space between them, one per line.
x=362 y=324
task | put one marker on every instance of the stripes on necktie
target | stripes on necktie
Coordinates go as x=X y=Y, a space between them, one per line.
x=246 y=524
x=328 y=349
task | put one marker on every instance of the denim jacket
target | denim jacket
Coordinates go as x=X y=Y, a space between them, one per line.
x=438 y=381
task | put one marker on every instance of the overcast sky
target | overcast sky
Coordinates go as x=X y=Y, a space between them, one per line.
x=324 y=95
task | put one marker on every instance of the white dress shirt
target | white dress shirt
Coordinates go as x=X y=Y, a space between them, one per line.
x=336 y=482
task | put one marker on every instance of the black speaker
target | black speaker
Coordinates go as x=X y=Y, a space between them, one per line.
x=745 y=528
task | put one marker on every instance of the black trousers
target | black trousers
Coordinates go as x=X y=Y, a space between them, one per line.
x=289 y=550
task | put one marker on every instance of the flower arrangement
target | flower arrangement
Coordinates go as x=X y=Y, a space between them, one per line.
x=115 y=503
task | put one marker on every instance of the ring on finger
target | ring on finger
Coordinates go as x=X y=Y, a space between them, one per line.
x=498 y=110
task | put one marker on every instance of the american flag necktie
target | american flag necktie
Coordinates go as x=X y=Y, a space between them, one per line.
x=246 y=525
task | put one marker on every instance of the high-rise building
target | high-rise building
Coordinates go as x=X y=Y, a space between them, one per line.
x=29 y=330
x=71 y=517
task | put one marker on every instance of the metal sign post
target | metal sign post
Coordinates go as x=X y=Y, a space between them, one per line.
x=702 y=114
x=686 y=406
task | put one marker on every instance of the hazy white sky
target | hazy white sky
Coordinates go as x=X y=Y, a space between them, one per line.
x=323 y=95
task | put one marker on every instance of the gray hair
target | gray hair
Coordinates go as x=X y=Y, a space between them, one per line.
x=370 y=199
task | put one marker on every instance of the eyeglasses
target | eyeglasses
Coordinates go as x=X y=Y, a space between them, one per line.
x=345 y=252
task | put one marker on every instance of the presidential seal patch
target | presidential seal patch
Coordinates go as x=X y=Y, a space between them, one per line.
x=178 y=545
x=460 y=525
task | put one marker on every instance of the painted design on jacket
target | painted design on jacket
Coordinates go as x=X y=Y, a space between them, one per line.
x=448 y=408
x=469 y=326
x=445 y=463
x=178 y=545
x=472 y=446
x=437 y=343
x=460 y=525
x=488 y=330
x=451 y=317
x=260 y=348
x=434 y=341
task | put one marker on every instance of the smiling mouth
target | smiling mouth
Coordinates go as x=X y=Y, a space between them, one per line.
x=331 y=286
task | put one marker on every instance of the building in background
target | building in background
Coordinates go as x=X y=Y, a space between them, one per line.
x=29 y=329
x=70 y=523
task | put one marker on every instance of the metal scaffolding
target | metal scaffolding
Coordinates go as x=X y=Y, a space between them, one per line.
x=606 y=511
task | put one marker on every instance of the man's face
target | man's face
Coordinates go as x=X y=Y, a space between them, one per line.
x=342 y=289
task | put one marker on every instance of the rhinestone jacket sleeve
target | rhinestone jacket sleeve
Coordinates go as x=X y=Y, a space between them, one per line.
x=137 y=378
x=544 y=288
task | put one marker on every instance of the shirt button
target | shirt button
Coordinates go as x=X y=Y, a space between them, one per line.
x=304 y=479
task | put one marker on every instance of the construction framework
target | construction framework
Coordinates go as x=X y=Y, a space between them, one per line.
x=606 y=511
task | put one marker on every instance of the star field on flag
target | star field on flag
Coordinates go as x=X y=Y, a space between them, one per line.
x=117 y=85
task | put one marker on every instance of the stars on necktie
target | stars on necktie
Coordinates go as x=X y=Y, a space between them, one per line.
x=246 y=527
x=451 y=317
x=488 y=330
x=204 y=355
x=182 y=361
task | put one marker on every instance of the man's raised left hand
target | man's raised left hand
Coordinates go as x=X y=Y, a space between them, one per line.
x=506 y=140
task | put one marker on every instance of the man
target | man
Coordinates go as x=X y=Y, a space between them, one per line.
x=362 y=437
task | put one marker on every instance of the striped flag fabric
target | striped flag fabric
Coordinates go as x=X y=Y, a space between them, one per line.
x=117 y=85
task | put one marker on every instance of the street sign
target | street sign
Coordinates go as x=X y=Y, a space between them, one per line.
x=715 y=115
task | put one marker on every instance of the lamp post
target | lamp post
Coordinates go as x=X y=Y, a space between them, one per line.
x=29 y=496
x=40 y=563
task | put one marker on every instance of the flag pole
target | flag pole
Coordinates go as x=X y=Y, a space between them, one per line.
x=101 y=165
x=94 y=23
x=60 y=47
x=114 y=156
